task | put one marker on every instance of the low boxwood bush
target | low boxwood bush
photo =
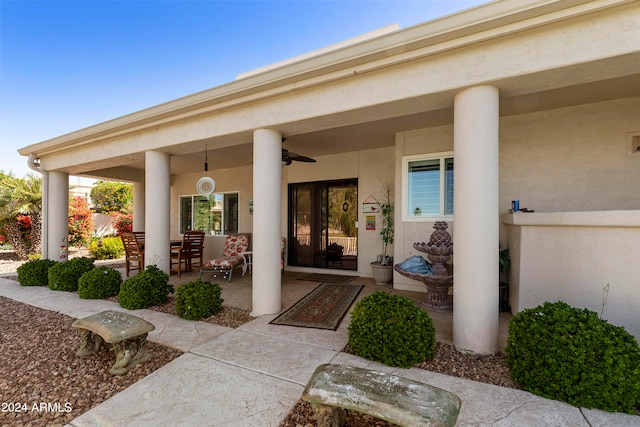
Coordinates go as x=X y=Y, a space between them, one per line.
x=64 y=276
x=35 y=272
x=198 y=300
x=570 y=354
x=107 y=248
x=391 y=329
x=147 y=288
x=99 y=283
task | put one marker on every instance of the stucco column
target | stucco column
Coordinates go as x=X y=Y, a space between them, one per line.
x=58 y=216
x=157 y=206
x=267 y=174
x=138 y=206
x=476 y=220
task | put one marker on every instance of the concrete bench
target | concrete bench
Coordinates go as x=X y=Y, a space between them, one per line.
x=334 y=388
x=126 y=333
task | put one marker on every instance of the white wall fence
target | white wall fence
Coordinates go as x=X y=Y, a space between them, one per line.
x=571 y=257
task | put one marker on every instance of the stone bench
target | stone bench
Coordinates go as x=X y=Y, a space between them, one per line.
x=334 y=388
x=126 y=333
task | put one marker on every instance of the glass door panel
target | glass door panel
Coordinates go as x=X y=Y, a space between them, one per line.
x=322 y=224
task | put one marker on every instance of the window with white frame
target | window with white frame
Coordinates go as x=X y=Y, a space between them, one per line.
x=215 y=215
x=427 y=184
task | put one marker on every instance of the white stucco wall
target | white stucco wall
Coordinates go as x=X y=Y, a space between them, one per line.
x=423 y=141
x=566 y=159
x=571 y=159
x=371 y=167
x=572 y=256
x=229 y=180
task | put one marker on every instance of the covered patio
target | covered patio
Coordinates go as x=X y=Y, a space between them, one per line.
x=535 y=100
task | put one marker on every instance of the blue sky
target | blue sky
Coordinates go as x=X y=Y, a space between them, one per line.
x=66 y=65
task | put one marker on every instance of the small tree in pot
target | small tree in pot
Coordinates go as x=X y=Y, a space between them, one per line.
x=383 y=270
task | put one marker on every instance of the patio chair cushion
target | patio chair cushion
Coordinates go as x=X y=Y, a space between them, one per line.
x=234 y=246
x=226 y=262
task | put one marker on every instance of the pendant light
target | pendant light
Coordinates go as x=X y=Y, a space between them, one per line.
x=206 y=185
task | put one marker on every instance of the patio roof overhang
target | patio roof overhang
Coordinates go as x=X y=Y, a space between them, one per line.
x=376 y=88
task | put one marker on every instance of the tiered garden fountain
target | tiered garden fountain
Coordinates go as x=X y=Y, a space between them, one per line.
x=439 y=250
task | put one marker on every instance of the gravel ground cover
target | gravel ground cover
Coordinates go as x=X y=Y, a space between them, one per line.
x=42 y=382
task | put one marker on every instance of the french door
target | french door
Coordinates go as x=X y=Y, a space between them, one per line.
x=322 y=224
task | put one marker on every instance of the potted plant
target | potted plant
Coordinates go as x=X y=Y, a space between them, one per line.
x=383 y=268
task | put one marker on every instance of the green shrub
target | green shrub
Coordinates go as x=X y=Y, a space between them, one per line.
x=101 y=282
x=198 y=300
x=64 y=275
x=107 y=248
x=565 y=353
x=391 y=329
x=147 y=288
x=35 y=272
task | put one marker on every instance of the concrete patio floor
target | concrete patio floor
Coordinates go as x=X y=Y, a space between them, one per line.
x=237 y=293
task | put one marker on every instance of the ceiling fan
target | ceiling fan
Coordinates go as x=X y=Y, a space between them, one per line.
x=290 y=156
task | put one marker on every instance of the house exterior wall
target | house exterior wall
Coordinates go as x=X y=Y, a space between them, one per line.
x=571 y=159
x=573 y=257
x=422 y=141
x=566 y=159
x=371 y=167
x=227 y=181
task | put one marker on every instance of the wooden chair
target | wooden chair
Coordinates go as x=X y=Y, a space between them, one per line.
x=194 y=243
x=234 y=246
x=192 y=247
x=140 y=238
x=134 y=253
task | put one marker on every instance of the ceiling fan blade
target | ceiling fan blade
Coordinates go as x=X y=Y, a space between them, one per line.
x=289 y=156
x=300 y=158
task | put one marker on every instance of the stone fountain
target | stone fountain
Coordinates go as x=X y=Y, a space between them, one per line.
x=439 y=250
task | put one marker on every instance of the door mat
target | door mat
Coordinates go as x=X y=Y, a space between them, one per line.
x=328 y=278
x=322 y=308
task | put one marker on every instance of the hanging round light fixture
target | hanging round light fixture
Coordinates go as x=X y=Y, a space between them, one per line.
x=206 y=185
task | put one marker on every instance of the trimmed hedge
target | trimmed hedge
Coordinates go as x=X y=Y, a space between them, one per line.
x=35 y=272
x=107 y=248
x=147 y=288
x=570 y=354
x=99 y=283
x=198 y=300
x=391 y=329
x=64 y=276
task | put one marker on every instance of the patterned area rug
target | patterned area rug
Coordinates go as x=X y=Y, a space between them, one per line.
x=322 y=308
x=328 y=278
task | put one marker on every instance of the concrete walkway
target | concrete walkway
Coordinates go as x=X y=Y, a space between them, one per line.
x=254 y=375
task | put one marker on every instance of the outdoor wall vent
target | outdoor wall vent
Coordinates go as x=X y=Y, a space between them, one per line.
x=633 y=144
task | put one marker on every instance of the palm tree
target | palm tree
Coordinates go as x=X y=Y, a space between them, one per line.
x=21 y=196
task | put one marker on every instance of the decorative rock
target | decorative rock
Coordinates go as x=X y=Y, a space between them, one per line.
x=333 y=388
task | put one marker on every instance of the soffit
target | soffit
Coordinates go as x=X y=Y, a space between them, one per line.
x=189 y=158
